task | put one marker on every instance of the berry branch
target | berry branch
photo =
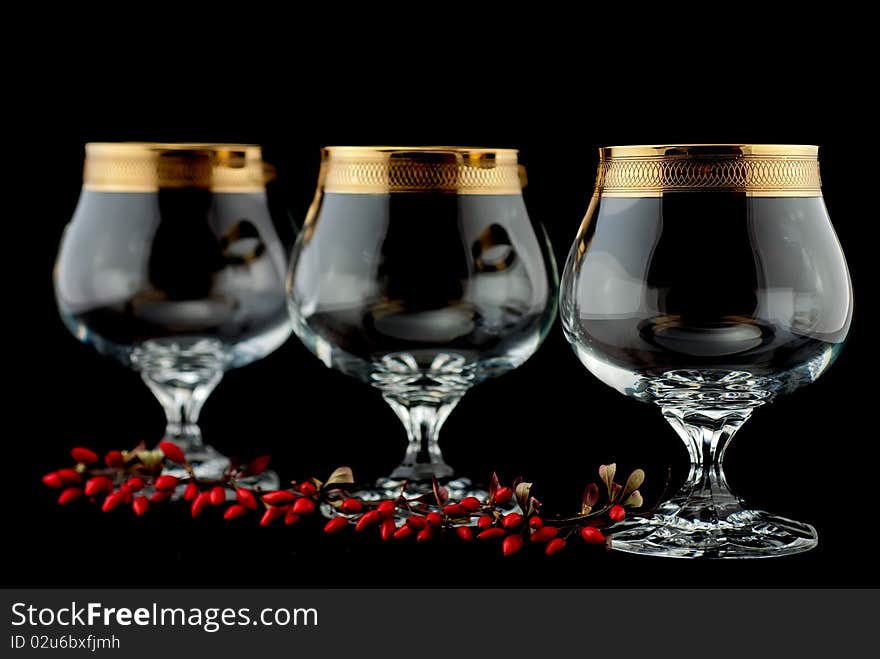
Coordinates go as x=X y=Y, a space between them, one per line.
x=510 y=514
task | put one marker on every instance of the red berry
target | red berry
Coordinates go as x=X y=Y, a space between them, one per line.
x=135 y=483
x=98 y=486
x=304 y=506
x=84 y=455
x=512 y=544
x=465 y=533
x=352 y=506
x=140 y=505
x=616 y=514
x=69 y=477
x=554 y=546
x=512 y=521
x=369 y=519
x=433 y=519
x=471 y=504
x=291 y=517
x=484 y=522
x=127 y=494
x=272 y=514
x=387 y=529
x=234 y=511
x=53 y=480
x=279 y=497
x=166 y=482
x=403 y=532
x=70 y=494
x=425 y=534
x=257 y=465
x=201 y=502
x=536 y=522
x=114 y=459
x=113 y=500
x=308 y=488
x=246 y=498
x=454 y=510
x=386 y=509
x=191 y=491
x=161 y=495
x=416 y=522
x=218 y=495
x=544 y=534
x=335 y=524
x=503 y=495
x=491 y=534
x=173 y=452
x=592 y=535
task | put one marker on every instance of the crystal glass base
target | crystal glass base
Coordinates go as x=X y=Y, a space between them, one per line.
x=182 y=373
x=387 y=488
x=744 y=534
x=705 y=519
x=391 y=488
x=210 y=465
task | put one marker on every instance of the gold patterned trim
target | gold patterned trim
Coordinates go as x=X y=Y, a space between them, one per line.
x=386 y=169
x=760 y=170
x=147 y=167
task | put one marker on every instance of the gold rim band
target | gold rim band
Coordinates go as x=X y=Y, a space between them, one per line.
x=758 y=170
x=386 y=169
x=147 y=167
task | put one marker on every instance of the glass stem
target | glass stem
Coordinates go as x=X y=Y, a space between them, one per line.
x=705 y=495
x=181 y=374
x=422 y=421
x=182 y=403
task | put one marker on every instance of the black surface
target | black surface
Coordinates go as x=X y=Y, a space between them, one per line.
x=809 y=456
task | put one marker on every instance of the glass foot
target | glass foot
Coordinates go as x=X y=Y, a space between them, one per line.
x=391 y=488
x=210 y=465
x=744 y=534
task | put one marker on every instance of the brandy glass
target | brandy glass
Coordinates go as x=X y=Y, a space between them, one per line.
x=174 y=266
x=707 y=280
x=420 y=272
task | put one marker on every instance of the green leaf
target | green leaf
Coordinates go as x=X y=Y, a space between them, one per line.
x=341 y=476
x=522 y=495
x=606 y=473
x=633 y=483
x=634 y=500
x=591 y=496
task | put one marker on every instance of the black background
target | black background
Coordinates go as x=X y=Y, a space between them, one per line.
x=809 y=456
